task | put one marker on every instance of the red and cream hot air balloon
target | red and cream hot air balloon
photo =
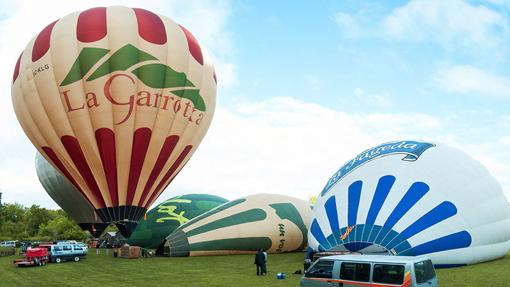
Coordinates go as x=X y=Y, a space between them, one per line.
x=117 y=99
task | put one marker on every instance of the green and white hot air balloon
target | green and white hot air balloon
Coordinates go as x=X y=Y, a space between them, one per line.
x=276 y=223
x=165 y=217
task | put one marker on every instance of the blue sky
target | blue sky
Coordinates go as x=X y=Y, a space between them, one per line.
x=328 y=52
x=306 y=85
x=380 y=57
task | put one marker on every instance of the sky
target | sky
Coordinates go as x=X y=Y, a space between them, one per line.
x=304 y=86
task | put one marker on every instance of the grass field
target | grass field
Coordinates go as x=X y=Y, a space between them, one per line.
x=239 y=270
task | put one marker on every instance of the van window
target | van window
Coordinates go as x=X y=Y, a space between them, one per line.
x=391 y=274
x=355 y=271
x=57 y=248
x=77 y=247
x=67 y=247
x=424 y=271
x=321 y=269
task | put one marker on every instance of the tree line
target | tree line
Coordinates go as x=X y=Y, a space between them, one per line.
x=36 y=223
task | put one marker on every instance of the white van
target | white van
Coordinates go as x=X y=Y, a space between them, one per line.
x=61 y=252
x=370 y=270
x=11 y=243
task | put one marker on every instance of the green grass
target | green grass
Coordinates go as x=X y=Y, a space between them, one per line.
x=237 y=270
x=489 y=274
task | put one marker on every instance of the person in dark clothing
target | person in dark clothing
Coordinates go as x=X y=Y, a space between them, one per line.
x=260 y=261
x=264 y=269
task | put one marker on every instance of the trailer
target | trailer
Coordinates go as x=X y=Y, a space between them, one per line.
x=33 y=257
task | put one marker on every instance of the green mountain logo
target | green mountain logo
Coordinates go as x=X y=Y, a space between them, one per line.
x=154 y=75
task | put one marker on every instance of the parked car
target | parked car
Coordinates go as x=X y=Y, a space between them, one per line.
x=63 y=252
x=67 y=242
x=33 y=257
x=370 y=270
x=11 y=243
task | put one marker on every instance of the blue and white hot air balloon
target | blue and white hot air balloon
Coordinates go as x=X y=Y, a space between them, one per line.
x=413 y=198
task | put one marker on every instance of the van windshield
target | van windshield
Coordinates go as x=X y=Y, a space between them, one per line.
x=388 y=273
x=424 y=271
x=321 y=269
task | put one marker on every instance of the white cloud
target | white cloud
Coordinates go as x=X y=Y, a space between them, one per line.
x=208 y=22
x=287 y=146
x=280 y=145
x=390 y=126
x=451 y=23
x=383 y=100
x=347 y=24
x=504 y=121
x=226 y=74
x=469 y=79
x=20 y=183
x=495 y=156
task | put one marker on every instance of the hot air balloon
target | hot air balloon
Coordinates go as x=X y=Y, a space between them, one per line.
x=273 y=222
x=411 y=198
x=68 y=197
x=165 y=217
x=117 y=99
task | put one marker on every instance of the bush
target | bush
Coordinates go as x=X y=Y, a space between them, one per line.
x=7 y=251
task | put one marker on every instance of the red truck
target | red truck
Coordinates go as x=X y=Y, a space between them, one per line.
x=33 y=257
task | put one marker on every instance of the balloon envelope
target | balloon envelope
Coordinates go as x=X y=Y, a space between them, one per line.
x=68 y=197
x=117 y=99
x=413 y=198
x=165 y=217
x=273 y=222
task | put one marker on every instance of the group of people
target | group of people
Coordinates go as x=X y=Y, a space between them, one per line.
x=260 y=261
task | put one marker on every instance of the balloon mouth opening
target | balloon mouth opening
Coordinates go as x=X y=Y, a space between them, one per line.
x=125 y=217
x=126 y=228
x=176 y=245
x=95 y=229
x=375 y=240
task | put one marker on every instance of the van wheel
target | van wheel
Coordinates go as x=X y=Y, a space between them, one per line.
x=58 y=259
x=76 y=258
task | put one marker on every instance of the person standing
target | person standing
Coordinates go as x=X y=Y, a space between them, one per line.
x=259 y=261
x=264 y=266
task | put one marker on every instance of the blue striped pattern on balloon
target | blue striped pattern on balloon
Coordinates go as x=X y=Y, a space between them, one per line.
x=362 y=233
